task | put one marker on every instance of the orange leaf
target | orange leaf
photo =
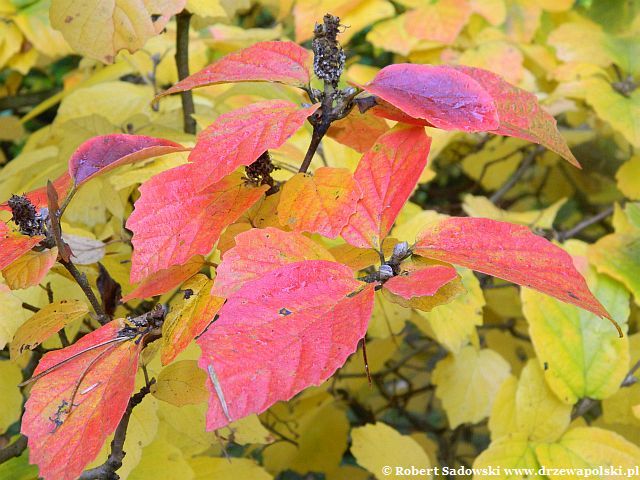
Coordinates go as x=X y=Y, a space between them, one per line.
x=167 y=279
x=511 y=252
x=358 y=130
x=319 y=203
x=30 y=268
x=74 y=408
x=189 y=316
x=257 y=252
x=13 y=246
x=441 y=21
x=45 y=322
x=239 y=137
x=173 y=220
x=282 y=62
x=387 y=175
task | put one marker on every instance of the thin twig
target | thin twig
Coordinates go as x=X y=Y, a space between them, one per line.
x=81 y=279
x=524 y=166
x=587 y=222
x=13 y=450
x=107 y=471
x=182 y=63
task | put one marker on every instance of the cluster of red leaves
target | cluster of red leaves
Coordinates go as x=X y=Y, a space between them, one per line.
x=293 y=314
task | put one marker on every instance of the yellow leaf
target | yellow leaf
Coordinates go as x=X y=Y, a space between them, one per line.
x=181 y=383
x=500 y=57
x=184 y=428
x=10 y=42
x=100 y=29
x=588 y=448
x=494 y=164
x=207 y=468
x=10 y=377
x=391 y=35
x=30 y=268
x=161 y=459
x=467 y=384
x=247 y=430
x=503 y=420
x=387 y=454
x=483 y=207
x=206 y=8
x=627 y=177
x=581 y=354
x=494 y=11
x=387 y=319
x=454 y=323
x=45 y=323
x=511 y=451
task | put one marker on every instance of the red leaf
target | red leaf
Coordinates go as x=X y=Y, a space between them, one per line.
x=386 y=110
x=387 y=175
x=167 y=279
x=319 y=203
x=277 y=335
x=282 y=62
x=259 y=251
x=239 y=137
x=13 y=246
x=511 y=252
x=443 y=96
x=520 y=114
x=106 y=152
x=39 y=198
x=62 y=443
x=421 y=282
x=173 y=220
x=358 y=130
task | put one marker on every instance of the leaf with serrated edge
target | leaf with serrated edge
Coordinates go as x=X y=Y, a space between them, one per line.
x=166 y=279
x=321 y=203
x=441 y=95
x=511 y=252
x=259 y=251
x=61 y=443
x=189 y=316
x=281 y=333
x=30 y=268
x=387 y=175
x=44 y=323
x=282 y=62
x=173 y=220
x=13 y=246
x=239 y=137
x=106 y=152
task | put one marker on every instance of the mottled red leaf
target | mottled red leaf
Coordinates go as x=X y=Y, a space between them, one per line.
x=282 y=62
x=106 y=152
x=239 y=137
x=98 y=383
x=358 y=130
x=173 y=220
x=420 y=282
x=279 y=334
x=14 y=245
x=443 y=96
x=167 y=279
x=384 y=109
x=387 y=175
x=520 y=113
x=319 y=203
x=511 y=252
x=259 y=251
x=38 y=197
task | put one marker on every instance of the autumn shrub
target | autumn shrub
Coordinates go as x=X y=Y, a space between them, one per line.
x=404 y=245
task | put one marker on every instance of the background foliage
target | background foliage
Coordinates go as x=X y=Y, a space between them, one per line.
x=462 y=385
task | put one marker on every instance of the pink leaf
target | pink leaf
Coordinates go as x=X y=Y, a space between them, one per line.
x=173 y=220
x=387 y=175
x=13 y=245
x=38 y=197
x=511 y=252
x=97 y=379
x=239 y=137
x=258 y=251
x=106 y=152
x=281 y=333
x=282 y=62
x=520 y=114
x=443 y=96
x=421 y=282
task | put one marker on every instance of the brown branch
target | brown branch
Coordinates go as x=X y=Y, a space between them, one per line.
x=524 y=166
x=587 y=222
x=182 y=63
x=107 y=471
x=13 y=450
x=81 y=279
